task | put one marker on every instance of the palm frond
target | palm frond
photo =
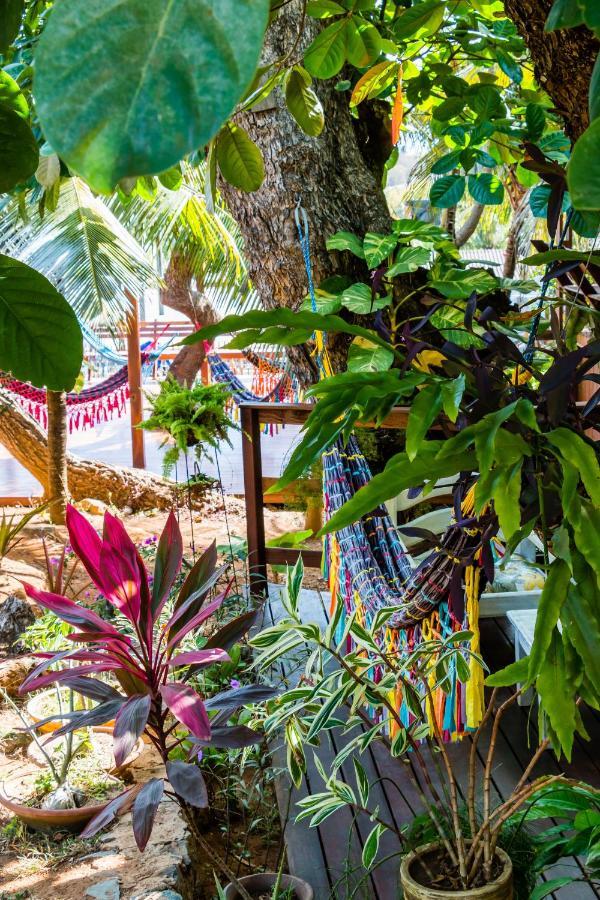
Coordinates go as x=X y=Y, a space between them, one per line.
x=180 y=223
x=83 y=249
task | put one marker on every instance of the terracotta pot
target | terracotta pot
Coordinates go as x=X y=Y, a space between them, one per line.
x=264 y=882
x=49 y=820
x=35 y=713
x=411 y=870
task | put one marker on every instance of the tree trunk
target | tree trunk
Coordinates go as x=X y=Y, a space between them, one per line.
x=337 y=185
x=178 y=294
x=563 y=60
x=515 y=241
x=56 y=486
x=469 y=226
x=27 y=443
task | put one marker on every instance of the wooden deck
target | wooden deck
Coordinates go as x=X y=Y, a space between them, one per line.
x=329 y=856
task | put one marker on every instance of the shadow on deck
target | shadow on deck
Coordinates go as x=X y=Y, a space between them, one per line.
x=329 y=856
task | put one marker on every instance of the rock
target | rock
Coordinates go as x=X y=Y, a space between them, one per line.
x=13 y=673
x=158 y=895
x=105 y=890
x=15 y=616
x=93 y=506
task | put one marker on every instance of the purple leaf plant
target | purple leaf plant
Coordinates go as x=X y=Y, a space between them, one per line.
x=156 y=698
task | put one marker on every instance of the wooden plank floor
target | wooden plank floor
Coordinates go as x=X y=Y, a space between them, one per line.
x=329 y=856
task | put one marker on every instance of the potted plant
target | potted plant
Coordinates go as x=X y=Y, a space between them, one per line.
x=468 y=857
x=271 y=885
x=192 y=417
x=73 y=789
x=152 y=667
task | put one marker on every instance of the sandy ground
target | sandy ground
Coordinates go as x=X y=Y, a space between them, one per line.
x=115 y=855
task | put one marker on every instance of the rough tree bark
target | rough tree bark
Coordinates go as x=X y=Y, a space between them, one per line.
x=334 y=175
x=56 y=488
x=27 y=443
x=179 y=295
x=563 y=60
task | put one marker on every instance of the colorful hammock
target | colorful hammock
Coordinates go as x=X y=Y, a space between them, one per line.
x=86 y=409
x=282 y=387
x=369 y=569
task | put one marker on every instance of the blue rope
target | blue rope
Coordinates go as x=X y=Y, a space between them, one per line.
x=304 y=238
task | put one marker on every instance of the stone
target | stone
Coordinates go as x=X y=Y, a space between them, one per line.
x=93 y=506
x=13 y=673
x=15 y=616
x=105 y=890
x=158 y=895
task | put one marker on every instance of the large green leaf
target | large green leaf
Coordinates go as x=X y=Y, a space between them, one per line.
x=11 y=12
x=129 y=88
x=365 y=356
x=595 y=91
x=358 y=298
x=283 y=319
x=40 y=339
x=581 y=620
x=408 y=259
x=363 y=42
x=564 y=14
x=553 y=597
x=18 y=149
x=421 y=19
x=11 y=95
x=303 y=103
x=423 y=413
x=378 y=247
x=327 y=53
x=486 y=189
x=240 y=160
x=583 y=171
x=552 y=685
x=447 y=191
x=580 y=454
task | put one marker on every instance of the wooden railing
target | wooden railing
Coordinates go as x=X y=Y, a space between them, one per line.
x=253 y=416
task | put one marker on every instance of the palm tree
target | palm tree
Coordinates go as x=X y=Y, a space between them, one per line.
x=88 y=247
x=197 y=243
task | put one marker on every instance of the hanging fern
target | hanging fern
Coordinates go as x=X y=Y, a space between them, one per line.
x=192 y=417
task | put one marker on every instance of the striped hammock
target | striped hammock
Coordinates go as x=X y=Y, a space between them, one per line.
x=369 y=569
x=279 y=385
x=90 y=407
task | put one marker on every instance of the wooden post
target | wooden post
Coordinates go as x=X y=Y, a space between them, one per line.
x=257 y=563
x=136 y=400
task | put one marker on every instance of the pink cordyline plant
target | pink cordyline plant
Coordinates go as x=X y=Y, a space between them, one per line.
x=155 y=698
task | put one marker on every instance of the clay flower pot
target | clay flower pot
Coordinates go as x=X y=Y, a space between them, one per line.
x=264 y=882
x=50 y=820
x=412 y=871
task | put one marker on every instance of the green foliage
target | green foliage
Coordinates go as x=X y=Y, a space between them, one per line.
x=12 y=526
x=18 y=149
x=192 y=417
x=169 y=90
x=40 y=338
x=239 y=159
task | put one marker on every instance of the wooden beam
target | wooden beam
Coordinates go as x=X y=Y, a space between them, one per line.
x=288 y=556
x=134 y=372
x=255 y=522
x=298 y=413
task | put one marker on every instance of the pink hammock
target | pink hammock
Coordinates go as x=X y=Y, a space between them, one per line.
x=90 y=407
